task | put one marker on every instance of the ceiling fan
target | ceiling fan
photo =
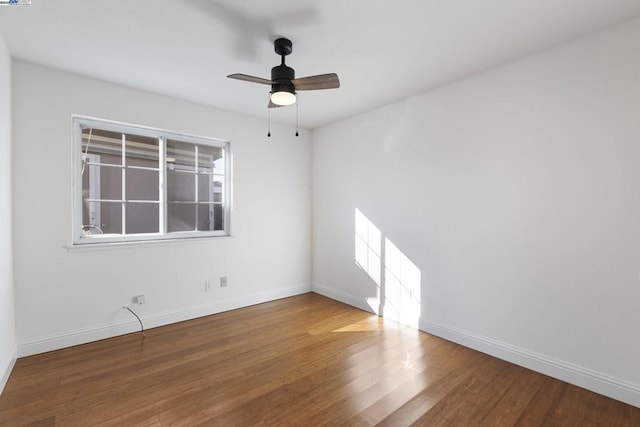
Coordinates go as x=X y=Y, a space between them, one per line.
x=283 y=83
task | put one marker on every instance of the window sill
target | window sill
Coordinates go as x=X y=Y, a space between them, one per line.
x=142 y=243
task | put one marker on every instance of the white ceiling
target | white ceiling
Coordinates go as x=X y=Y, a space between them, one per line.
x=382 y=50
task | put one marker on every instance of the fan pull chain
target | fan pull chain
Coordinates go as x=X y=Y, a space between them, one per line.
x=269 y=122
x=296 y=117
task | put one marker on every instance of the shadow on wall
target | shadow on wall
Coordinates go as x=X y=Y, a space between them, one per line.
x=396 y=277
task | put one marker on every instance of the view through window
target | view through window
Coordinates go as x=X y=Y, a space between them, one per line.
x=135 y=183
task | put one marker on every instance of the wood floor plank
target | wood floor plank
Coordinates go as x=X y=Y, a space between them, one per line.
x=306 y=360
x=464 y=402
x=400 y=409
x=513 y=398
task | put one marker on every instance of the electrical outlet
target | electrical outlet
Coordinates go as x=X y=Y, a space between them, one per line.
x=223 y=282
x=138 y=299
x=207 y=285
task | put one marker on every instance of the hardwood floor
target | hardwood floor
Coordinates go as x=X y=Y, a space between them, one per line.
x=306 y=360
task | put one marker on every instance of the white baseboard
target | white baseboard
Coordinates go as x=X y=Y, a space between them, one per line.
x=108 y=330
x=6 y=371
x=582 y=377
x=354 y=301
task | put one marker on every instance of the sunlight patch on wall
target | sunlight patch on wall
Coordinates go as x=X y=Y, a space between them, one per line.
x=368 y=253
x=398 y=290
x=402 y=286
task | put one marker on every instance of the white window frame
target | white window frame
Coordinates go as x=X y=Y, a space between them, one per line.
x=78 y=238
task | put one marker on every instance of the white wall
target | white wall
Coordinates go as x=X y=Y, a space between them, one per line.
x=7 y=322
x=65 y=297
x=516 y=192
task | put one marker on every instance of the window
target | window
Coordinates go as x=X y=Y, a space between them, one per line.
x=135 y=183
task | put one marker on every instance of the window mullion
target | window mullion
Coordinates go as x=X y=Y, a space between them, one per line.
x=227 y=189
x=195 y=228
x=162 y=177
x=124 y=184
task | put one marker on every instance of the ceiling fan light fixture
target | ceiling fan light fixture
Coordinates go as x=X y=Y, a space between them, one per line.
x=283 y=97
x=283 y=82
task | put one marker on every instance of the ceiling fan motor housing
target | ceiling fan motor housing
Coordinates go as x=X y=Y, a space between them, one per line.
x=282 y=75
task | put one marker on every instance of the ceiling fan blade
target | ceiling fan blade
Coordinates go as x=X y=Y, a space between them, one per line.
x=252 y=79
x=321 y=81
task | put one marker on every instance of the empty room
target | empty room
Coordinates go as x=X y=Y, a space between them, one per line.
x=319 y=212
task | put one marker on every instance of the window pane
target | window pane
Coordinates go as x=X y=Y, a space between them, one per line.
x=205 y=188
x=210 y=188
x=102 y=182
x=181 y=155
x=210 y=217
x=142 y=218
x=218 y=165
x=89 y=214
x=205 y=216
x=218 y=189
x=142 y=151
x=181 y=217
x=103 y=146
x=181 y=186
x=142 y=184
x=102 y=217
x=218 y=217
x=207 y=157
